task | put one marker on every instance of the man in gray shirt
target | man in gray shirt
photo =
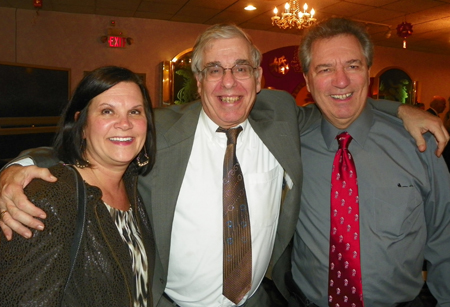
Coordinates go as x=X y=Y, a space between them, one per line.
x=404 y=195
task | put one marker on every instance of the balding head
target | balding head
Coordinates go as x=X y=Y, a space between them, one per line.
x=438 y=103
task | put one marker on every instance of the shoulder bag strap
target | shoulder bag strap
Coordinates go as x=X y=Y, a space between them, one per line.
x=81 y=219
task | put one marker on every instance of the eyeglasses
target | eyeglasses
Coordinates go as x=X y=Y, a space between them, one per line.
x=239 y=72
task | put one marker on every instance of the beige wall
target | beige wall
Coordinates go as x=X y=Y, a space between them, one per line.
x=73 y=41
x=432 y=71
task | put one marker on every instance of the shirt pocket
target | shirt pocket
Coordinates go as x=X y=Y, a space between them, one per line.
x=397 y=211
x=264 y=196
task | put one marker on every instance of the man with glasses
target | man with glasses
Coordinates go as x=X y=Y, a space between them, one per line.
x=226 y=66
x=183 y=193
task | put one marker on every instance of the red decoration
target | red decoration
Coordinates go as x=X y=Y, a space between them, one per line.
x=37 y=4
x=404 y=30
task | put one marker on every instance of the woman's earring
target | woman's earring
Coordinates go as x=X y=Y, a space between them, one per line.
x=147 y=159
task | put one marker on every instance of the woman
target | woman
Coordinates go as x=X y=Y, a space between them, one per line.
x=107 y=132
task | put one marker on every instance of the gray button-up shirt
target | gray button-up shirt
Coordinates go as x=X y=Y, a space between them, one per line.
x=404 y=212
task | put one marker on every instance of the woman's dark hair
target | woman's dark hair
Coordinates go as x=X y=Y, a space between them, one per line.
x=69 y=143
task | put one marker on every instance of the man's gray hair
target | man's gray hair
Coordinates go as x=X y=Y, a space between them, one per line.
x=330 y=28
x=221 y=31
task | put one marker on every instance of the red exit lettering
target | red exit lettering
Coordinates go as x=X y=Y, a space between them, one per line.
x=116 y=41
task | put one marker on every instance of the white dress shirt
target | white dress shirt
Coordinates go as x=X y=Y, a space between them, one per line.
x=195 y=265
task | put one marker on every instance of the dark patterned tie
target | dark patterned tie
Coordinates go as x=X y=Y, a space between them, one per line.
x=237 y=244
x=345 y=285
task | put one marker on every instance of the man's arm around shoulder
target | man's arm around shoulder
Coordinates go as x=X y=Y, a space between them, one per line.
x=18 y=211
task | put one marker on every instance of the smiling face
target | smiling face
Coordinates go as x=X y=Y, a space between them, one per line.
x=116 y=126
x=228 y=101
x=338 y=78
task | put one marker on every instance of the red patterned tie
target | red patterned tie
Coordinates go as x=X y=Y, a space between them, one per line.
x=345 y=285
x=237 y=243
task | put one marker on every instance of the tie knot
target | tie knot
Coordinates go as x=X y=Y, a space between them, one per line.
x=232 y=134
x=344 y=140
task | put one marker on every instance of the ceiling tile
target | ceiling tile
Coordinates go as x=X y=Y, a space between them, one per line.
x=430 y=18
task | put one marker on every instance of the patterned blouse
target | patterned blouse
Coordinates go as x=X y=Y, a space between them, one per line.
x=129 y=231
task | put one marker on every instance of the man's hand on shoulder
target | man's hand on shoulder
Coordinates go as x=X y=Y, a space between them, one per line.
x=418 y=122
x=19 y=211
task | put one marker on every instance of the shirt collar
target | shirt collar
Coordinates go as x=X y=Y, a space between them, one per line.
x=359 y=129
x=211 y=127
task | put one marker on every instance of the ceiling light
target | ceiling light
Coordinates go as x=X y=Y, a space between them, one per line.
x=293 y=17
x=250 y=8
x=388 y=33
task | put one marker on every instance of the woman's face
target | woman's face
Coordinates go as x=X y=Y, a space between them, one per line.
x=116 y=126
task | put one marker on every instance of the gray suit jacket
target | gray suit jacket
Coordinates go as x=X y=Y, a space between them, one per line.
x=274 y=118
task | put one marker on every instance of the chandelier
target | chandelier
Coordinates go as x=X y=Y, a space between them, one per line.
x=293 y=17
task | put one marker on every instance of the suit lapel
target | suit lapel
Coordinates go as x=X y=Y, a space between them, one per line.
x=174 y=150
x=280 y=140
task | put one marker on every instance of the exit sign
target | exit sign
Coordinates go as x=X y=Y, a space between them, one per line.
x=117 y=41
